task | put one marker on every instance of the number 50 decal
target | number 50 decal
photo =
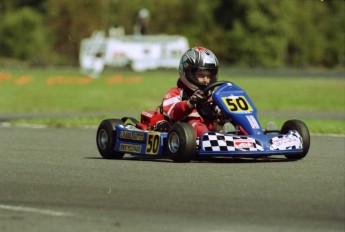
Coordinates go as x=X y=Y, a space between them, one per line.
x=152 y=144
x=237 y=104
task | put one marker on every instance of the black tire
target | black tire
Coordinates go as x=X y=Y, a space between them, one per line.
x=181 y=142
x=302 y=129
x=105 y=139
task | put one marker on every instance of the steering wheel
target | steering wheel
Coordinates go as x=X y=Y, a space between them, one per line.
x=207 y=89
x=207 y=109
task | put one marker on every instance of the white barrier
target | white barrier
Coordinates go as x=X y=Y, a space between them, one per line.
x=141 y=52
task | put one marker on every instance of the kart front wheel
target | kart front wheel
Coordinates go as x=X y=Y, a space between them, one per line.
x=106 y=137
x=181 y=142
x=302 y=129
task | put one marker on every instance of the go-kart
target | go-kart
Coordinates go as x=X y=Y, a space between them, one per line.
x=241 y=136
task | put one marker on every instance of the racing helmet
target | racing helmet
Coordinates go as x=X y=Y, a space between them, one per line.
x=194 y=59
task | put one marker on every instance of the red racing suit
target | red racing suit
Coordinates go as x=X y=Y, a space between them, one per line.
x=176 y=108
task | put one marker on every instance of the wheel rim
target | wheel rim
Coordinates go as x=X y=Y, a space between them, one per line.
x=103 y=139
x=173 y=142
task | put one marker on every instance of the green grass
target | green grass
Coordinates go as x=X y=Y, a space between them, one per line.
x=67 y=90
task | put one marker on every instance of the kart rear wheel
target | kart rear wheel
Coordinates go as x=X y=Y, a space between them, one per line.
x=105 y=139
x=302 y=129
x=181 y=142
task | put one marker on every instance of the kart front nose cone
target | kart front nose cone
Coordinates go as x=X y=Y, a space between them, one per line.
x=173 y=142
x=103 y=139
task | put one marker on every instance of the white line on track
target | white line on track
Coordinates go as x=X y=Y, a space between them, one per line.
x=35 y=210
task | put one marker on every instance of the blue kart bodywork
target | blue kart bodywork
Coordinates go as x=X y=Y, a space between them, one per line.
x=252 y=140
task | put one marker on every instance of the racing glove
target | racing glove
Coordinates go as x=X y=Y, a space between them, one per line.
x=197 y=98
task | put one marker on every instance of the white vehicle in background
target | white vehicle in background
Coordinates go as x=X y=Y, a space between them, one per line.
x=140 y=52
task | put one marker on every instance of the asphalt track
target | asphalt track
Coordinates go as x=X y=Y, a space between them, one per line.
x=53 y=179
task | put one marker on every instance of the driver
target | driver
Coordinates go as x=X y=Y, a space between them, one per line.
x=198 y=68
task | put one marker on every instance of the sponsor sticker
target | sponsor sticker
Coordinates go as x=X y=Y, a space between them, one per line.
x=285 y=140
x=253 y=122
x=131 y=148
x=241 y=144
x=132 y=135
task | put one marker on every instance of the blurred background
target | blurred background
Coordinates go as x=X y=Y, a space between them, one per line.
x=253 y=33
x=281 y=52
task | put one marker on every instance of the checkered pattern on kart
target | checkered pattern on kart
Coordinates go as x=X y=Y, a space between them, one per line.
x=213 y=141
x=293 y=140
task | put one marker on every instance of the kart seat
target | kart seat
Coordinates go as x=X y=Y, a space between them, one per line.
x=153 y=120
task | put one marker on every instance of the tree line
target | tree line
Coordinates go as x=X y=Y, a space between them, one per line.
x=251 y=33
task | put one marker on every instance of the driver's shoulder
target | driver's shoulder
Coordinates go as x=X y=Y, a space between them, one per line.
x=173 y=92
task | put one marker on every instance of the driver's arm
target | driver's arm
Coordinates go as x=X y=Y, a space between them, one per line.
x=174 y=107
